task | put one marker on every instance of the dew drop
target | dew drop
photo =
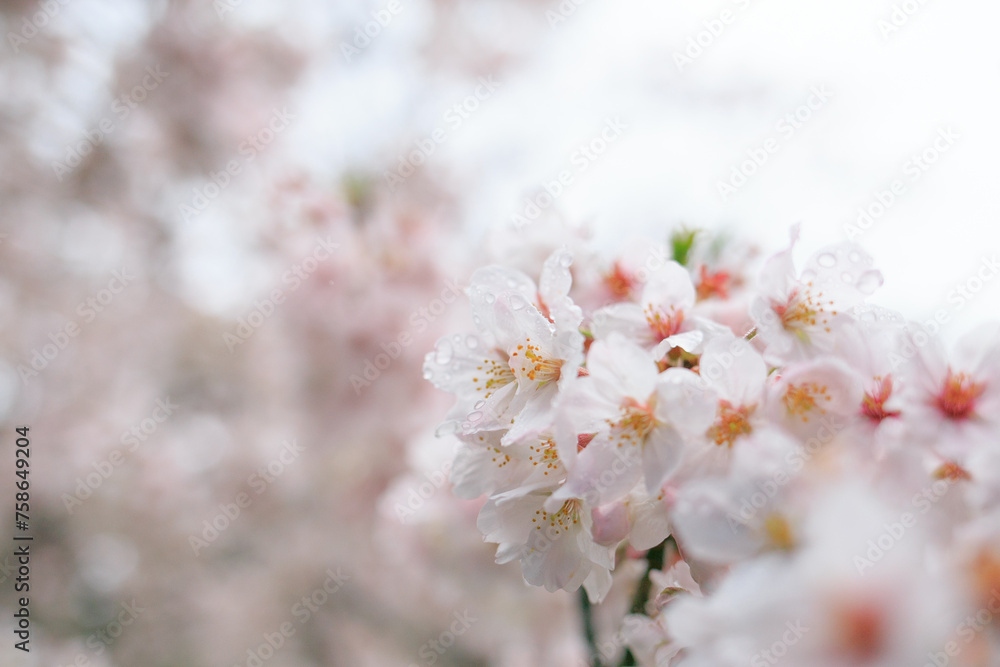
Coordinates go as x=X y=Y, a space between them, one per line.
x=443 y=352
x=827 y=260
x=490 y=297
x=869 y=282
x=446 y=428
x=517 y=302
x=475 y=417
x=479 y=404
x=565 y=260
x=511 y=283
x=472 y=342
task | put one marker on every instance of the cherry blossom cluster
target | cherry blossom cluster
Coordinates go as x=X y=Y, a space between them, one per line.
x=822 y=475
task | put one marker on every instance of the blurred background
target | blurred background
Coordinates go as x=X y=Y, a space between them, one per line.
x=231 y=229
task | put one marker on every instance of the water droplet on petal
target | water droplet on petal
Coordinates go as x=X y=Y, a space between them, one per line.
x=827 y=260
x=475 y=416
x=446 y=428
x=490 y=297
x=472 y=342
x=479 y=404
x=511 y=283
x=869 y=282
x=517 y=302
x=443 y=352
x=565 y=260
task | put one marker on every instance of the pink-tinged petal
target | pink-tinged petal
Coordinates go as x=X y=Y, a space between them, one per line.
x=489 y=283
x=620 y=368
x=668 y=287
x=778 y=277
x=555 y=563
x=487 y=414
x=978 y=351
x=648 y=521
x=517 y=319
x=506 y=517
x=684 y=401
x=597 y=584
x=457 y=359
x=845 y=271
x=708 y=525
x=535 y=417
x=734 y=370
x=661 y=455
x=603 y=472
x=689 y=341
x=821 y=394
x=483 y=466
x=579 y=411
x=553 y=291
x=627 y=319
x=610 y=524
x=510 y=551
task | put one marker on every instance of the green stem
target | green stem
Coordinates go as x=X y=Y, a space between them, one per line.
x=588 y=627
x=654 y=558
